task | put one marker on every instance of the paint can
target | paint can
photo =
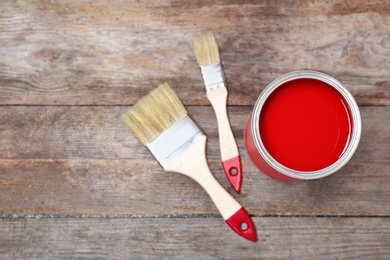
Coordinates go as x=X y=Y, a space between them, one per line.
x=305 y=125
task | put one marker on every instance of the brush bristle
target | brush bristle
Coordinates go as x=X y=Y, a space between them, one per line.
x=154 y=113
x=206 y=49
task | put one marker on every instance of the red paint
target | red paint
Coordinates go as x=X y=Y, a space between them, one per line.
x=258 y=160
x=235 y=178
x=305 y=124
x=239 y=218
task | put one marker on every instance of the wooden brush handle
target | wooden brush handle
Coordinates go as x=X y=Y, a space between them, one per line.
x=193 y=164
x=231 y=160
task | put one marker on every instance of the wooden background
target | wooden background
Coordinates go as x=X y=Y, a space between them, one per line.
x=74 y=183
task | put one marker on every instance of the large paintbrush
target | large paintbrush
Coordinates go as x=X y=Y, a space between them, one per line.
x=160 y=121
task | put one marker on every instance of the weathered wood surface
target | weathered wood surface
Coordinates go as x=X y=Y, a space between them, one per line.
x=95 y=186
x=66 y=132
x=68 y=69
x=111 y=53
x=194 y=238
x=82 y=160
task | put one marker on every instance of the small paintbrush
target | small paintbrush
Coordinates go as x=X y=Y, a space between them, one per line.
x=160 y=121
x=207 y=55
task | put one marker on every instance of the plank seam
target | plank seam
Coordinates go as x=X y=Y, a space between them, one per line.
x=162 y=216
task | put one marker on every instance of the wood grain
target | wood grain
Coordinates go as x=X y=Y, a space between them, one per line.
x=75 y=184
x=82 y=160
x=66 y=132
x=96 y=186
x=112 y=53
x=194 y=238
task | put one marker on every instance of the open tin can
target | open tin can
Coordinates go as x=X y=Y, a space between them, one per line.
x=305 y=125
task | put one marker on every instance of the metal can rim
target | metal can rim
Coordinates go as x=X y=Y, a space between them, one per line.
x=356 y=125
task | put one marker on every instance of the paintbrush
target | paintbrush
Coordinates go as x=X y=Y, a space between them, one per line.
x=160 y=121
x=207 y=55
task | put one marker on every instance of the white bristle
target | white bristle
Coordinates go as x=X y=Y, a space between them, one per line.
x=206 y=49
x=154 y=113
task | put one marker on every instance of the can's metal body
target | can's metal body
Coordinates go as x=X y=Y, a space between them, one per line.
x=262 y=158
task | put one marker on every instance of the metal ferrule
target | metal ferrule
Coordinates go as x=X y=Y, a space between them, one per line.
x=171 y=143
x=213 y=76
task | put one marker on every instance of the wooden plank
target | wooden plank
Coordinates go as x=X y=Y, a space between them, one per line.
x=94 y=186
x=81 y=160
x=51 y=132
x=112 y=53
x=195 y=238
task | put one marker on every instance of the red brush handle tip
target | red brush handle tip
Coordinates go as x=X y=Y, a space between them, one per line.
x=233 y=171
x=242 y=224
